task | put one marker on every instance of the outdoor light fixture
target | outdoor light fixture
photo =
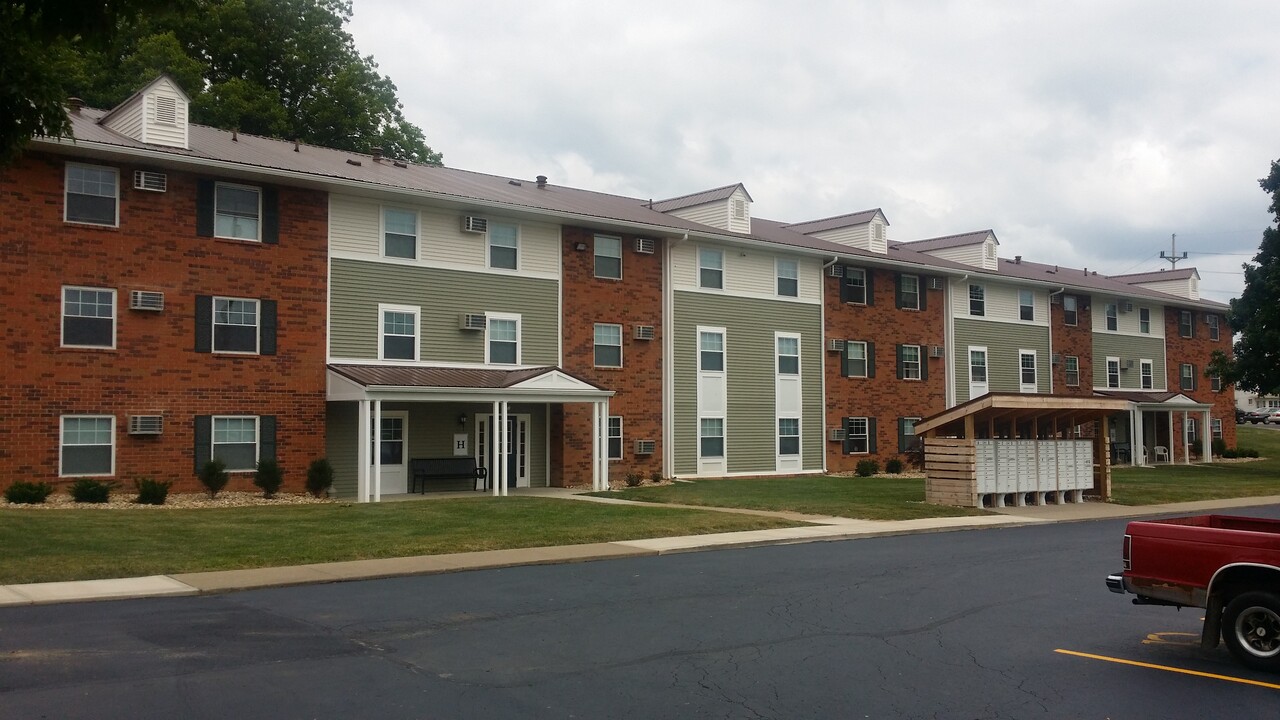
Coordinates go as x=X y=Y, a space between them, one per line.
x=462 y=419
x=580 y=246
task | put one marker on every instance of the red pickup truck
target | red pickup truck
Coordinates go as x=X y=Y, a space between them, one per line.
x=1228 y=565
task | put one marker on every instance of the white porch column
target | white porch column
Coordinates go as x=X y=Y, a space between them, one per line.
x=377 y=451
x=1172 y=444
x=1133 y=435
x=494 y=452
x=1186 y=441
x=505 y=446
x=1139 y=443
x=595 y=440
x=602 y=442
x=1206 y=438
x=362 y=453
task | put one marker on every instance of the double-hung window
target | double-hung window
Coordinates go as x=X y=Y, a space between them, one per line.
x=92 y=195
x=788 y=436
x=907 y=440
x=1027 y=371
x=857 y=358
x=1215 y=383
x=711 y=437
x=1214 y=333
x=399 y=332
x=855 y=286
x=504 y=246
x=1072 y=369
x=711 y=351
x=978 y=366
x=909 y=292
x=1070 y=310
x=788 y=272
x=909 y=362
x=88 y=445
x=788 y=355
x=1215 y=427
x=1026 y=305
x=399 y=233
x=608 y=252
x=608 y=345
x=1147 y=370
x=237 y=211
x=235 y=442
x=857 y=435
x=1188 y=375
x=1144 y=321
x=88 y=317
x=977 y=300
x=615 y=437
x=1113 y=372
x=235 y=325
x=502 y=346
x=1113 y=318
x=1186 y=325
x=710 y=268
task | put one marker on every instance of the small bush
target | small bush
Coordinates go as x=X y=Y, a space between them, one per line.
x=269 y=477
x=1219 y=446
x=152 y=492
x=867 y=468
x=1229 y=453
x=894 y=466
x=1246 y=452
x=655 y=477
x=319 y=477
x=88 y=490
x=28 y=493
x=634 y=479
x=214 y=477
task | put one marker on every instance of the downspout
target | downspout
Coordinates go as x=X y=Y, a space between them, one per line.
x=1055 y=292
x=668 y=359
x=822 y=283
x=949 y=340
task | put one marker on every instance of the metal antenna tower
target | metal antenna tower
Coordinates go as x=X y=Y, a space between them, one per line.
x=1173 y=257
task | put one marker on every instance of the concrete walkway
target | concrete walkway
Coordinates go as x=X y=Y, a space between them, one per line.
x=820 y=528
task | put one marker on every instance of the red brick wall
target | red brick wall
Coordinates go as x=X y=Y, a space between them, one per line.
x=1196 y=350
x=1077 y=341
x=634 y=300
x=153 y=369
x=884 y=396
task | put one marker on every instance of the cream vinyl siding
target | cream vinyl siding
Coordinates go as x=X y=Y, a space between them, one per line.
x=158 y=133
x=1002 y=303
x=714 y=214
x=746 y=274
x=355 y=229
x=972 y=255
x=1186 y=288
x=1127 y=323
x=1128 y=347
x=858 y=236
x=128 y=121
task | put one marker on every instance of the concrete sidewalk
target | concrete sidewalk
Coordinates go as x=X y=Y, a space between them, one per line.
x=821 y=528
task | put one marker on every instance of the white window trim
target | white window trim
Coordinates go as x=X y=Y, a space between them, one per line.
x=1035 y=369
x=867 y=436
x=1076 y=301
x=986 y=356
x=1031 y=305
x=1148 y=312
x=417 y=233
x=66 y=175
x=920 y=360
x=918 y=291
x=115 y=318
x=595 y=344
x=777 y=276
x=414 y=310
x=1110 y=310
x=1144 y=364
x=519 y=335
x=1107 y=373
x=969 y=299
x=62 y=426
x=595 y=253
x=488 y=247
x=863 y=272
x=1215 y=428
x=1214 y=327
x=724 y=350
x=1183 y=375
x=799 y=436
x=257 y=438
x=721 y=269
x=622 y=448
x=1066 y=371
x=724 y=438
x=239 y=186
x=257 y=344
x=777 y=356
x=866 y=361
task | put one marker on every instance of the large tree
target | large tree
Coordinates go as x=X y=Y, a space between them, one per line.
x=1255 y=315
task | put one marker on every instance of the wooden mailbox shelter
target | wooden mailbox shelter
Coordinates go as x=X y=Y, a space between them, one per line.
x=1013 y=449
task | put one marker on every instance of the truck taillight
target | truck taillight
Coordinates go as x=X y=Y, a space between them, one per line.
x=1128 y=548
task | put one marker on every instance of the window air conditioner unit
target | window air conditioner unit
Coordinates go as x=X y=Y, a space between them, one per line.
x=836 y=434
x=643 y=332
x=836 y=345
x=146 y=300
x=471 y=321
x=1055 y=299
x=644 y=246
x=146 y=424
x=836 y=271
x=150 y=181
x=1128 y=364
x=1126 y=306
x=645 y=447
x=935 y=351
x=473 y=224
x=935 y=283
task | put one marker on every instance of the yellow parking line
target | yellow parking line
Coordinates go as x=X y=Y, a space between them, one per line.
x=1135 y=663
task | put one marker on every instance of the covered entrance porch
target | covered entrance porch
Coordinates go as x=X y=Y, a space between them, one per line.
x=383 y=418
x=1159 y=428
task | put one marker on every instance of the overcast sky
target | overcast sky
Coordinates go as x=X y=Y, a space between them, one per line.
x=1082 y=133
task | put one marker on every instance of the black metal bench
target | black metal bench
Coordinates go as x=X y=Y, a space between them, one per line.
x=446 y=468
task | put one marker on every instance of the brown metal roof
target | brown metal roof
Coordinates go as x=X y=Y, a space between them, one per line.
x=699 y=198
x=1159 y=275
x=949 y=241
x=1137 y=396
x=835 y=223
x=1023 y=407
x=442 y=377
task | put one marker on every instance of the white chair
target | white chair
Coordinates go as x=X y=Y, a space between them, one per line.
x=1162 y=453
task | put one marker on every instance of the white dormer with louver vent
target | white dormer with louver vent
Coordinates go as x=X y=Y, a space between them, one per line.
x=156 y=114
x=975 y=249
x=865 y=230
x=726 y=208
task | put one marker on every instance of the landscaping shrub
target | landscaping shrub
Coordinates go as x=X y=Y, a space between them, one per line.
x=28 y=493
x=88 y=490
x=1219 y=446
x=634 y=479
x=269 y=477
x=655 y=477
x=894 y=466
x=1229 y=453
x=867 y=468
x=319 y=477
x=1246 y=452
x=214 y=477
x=152 y=492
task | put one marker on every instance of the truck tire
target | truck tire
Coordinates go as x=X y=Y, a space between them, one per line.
x=1251 y=629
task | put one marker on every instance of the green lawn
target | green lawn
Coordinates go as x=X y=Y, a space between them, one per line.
x=48 y=545
x=1184 y=483
x=851 y=497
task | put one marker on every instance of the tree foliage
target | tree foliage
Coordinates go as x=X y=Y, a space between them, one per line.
x=281 y=68
x=1255 y=315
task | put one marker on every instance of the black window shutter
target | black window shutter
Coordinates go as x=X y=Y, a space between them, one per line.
x=270 y=216
x=844 y=285
x=204 y=440
x=902 y=434
x=847 y=450
x=871 y=435
x=871 y=359
x=1193 y=325
x=844 y=359
x=204 y=208
x=897 y=290
x=922 y=285
x=267 y=343
x=900 y=367
x=1195 y=381
x=924 y=361
x=871 y=286
x=266 y=437
x=204 y=323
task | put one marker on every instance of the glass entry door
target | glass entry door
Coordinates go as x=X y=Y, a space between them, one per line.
x=394 y=434
x=517 y=457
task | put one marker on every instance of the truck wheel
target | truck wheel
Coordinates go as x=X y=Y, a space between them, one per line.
x=1251 y=629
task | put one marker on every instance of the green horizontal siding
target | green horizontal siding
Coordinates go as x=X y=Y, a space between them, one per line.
x=341 y=424
x=1128 y=347
x=357 y=287
x=1003 y=341
x=751 y=425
